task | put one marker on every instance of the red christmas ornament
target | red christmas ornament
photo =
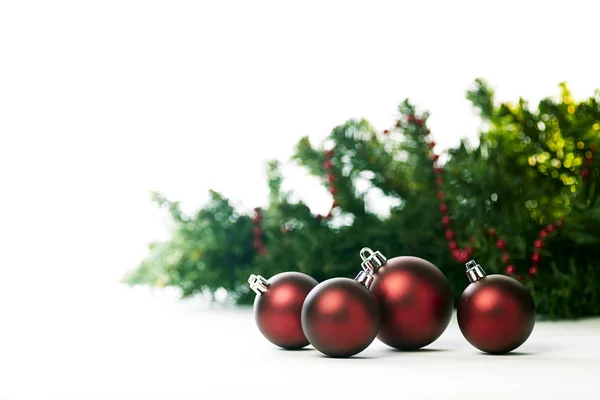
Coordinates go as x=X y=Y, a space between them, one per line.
x=340 y=317
x=414 y=296
x=543 y=233
x=331 y=178
x=435 y=157
x=500 y=243
x=444 y=208
x=327 y=164
x=385 y=132
x=438 y=170
x=431 y=145
x=445 y=220
x=439 y=181
x=536 y=257
x=440 y=195
x=511 y=269
x=549 y=228
x=505 y=257
x=449 y=235
x=495 y=313
x=452 y=245
x=332 y=190
x=278 y=307
x=538 y=244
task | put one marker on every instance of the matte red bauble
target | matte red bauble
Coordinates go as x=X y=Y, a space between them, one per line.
x=340 y=317
x=496 y=313
x=278 y=305
x=414 y=296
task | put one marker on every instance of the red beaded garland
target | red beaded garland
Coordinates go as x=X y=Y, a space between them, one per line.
x=331 y=178
x=462 y=255
x=532 y=270
x=257 y=232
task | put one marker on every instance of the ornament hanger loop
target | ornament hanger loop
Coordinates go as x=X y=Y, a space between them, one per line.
x=365 y=253
x=372 y=261
x=258 y=284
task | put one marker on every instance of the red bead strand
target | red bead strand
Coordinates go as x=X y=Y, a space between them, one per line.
x=257 y=231
x=462 y=255
x=331 y=178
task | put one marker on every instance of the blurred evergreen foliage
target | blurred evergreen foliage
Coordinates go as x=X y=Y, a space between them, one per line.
x=525 y=173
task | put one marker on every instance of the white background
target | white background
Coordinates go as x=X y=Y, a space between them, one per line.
x=102 y=101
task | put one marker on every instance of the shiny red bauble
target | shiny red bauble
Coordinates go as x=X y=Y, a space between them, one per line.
x=278 y=305
x=496 y=313
x=415 y=298
x=340 y=317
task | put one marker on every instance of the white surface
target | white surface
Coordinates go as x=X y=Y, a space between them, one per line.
x=123 y=344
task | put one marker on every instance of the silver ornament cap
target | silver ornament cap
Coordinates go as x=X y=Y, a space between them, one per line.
x=258 y=284
x=371 y=262
x=474 y=271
